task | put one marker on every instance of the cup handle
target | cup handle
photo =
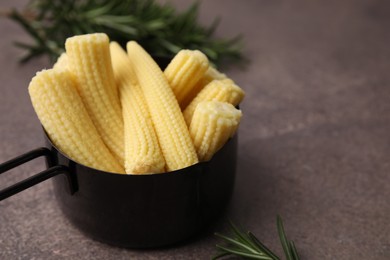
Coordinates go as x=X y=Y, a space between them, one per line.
x=52 y=171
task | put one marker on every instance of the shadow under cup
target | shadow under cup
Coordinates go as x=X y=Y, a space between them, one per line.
x=145 y=211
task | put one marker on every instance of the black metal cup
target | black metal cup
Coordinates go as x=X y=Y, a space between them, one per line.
x=136 y=211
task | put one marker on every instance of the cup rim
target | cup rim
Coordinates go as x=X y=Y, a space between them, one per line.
x=179 y=171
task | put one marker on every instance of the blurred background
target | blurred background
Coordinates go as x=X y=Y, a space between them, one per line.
x=314 y=143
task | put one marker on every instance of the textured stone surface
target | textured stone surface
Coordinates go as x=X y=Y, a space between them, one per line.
x=314 y=143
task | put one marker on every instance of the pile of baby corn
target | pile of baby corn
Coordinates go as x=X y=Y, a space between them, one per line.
x=117 y=111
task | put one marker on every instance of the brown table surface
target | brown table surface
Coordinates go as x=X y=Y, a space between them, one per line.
x=314 y=142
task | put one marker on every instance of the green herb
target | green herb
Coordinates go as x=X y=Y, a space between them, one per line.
x=246 y=245
x=159 y=28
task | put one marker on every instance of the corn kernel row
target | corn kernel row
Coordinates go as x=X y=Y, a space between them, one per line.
x=89 y=60
x=142 y=151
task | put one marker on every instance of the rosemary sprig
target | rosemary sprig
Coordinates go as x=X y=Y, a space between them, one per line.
x=159 y=28
x=246 y=245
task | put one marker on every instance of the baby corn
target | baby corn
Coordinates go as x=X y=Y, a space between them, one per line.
x=210 y=75
x=89 y=60
x=212 y=125
x=62 y=62
x=171 y=129
x=142 y=151
x=66 y=120
x=183 y=72
x=219 y=90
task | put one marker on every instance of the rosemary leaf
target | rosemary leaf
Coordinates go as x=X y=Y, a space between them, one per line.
x=283 y=239
x=238 y=244
x=246 y=245
x=245 y=238
x=293 y=250
x=262 y=246
x=158 y=27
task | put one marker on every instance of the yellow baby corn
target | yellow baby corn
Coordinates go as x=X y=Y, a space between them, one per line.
x=210 y=75
x=169 y=124
x=212 y=125
x=62 y=62
x=66 y=120
x=183 y=72
x=89 y=60
x=219 y=90
x=142 y=151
